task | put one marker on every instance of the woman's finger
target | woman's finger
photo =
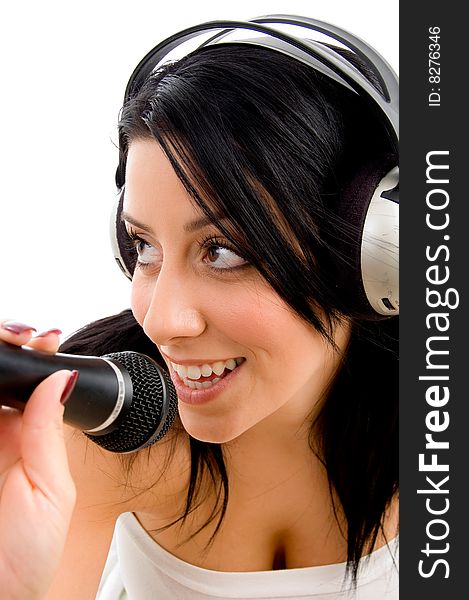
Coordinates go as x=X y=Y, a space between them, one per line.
x=42 y=441
x=47 y=341
x=15 y=332
x=37 y=495
x=10 y=438
x=20 y=334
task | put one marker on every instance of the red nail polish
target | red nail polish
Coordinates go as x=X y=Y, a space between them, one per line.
x=45 y=333
x=16 y=327
x=69 y=387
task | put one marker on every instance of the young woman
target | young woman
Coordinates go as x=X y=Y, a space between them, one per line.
x=279 y=477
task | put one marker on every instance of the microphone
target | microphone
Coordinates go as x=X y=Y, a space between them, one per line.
x=123 y=401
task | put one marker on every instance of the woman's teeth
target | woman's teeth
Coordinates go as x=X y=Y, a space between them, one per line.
x=190 y=374
x=200 y=385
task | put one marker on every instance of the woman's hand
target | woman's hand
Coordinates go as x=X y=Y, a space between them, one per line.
x=37 y=493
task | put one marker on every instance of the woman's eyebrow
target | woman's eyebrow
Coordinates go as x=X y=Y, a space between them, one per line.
x=126 y=217
x=189 y=227
x=197 y=224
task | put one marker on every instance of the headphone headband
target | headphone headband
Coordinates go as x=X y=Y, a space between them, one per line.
x=318 y=55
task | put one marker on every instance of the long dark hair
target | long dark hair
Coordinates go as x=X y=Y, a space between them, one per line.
x=268 y=143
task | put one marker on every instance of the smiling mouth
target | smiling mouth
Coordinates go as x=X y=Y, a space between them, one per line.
x=202 y=377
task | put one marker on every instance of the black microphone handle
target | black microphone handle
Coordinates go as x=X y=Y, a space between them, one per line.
x=103 y=389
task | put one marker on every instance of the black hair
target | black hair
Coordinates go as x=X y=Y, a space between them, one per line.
x=269 y=143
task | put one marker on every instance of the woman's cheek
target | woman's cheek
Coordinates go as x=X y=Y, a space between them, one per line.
x=140 y=299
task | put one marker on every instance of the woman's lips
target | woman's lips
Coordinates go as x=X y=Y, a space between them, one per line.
x=191 y=396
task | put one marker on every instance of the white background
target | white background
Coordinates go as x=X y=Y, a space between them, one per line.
x=64 y=67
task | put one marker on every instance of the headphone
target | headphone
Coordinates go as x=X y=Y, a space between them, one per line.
x=371 y=199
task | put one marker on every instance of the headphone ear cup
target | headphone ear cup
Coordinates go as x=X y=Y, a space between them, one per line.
x=369 y=209
x=122 y=247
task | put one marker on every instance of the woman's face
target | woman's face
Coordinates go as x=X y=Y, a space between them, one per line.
x=237 y=354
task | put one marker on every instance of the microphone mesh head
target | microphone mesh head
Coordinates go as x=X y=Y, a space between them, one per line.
x=153 y=407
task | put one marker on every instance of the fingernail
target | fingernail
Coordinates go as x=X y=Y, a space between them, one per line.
x=16 y=327
x=45 y=333
x=69 y=387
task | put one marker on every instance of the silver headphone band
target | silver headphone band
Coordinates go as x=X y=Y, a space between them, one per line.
x=320 y=57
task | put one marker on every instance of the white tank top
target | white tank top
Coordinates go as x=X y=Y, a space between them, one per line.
x=138 y=568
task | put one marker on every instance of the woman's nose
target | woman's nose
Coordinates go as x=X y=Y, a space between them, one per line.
x=173 y=311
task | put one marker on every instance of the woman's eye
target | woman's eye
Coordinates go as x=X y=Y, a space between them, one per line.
x=147 y=254
x=221 y=257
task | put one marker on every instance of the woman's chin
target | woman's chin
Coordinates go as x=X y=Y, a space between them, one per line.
x=213 y=437
x=215 y=433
